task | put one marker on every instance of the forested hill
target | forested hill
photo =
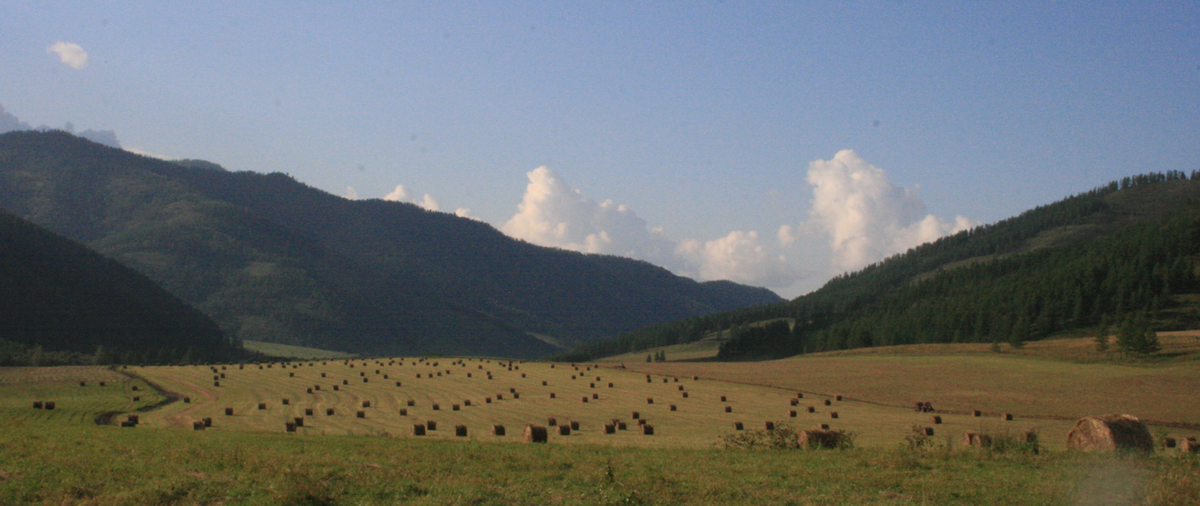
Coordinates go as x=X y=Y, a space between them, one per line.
x=63 y=302
x=271 y=259
x=1126 y=248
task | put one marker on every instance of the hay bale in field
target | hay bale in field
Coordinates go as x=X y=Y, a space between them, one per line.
x=345 y=382
x=837 y=398
x=976 y=439
x=418 y=429
x=128 y=423
x=672 y=407
x=535 y=434
x=516 y=396
x=935 y=419
x=695 y=378
x=286 y=402
x=641 y=421
x=207 y=421
x=37 y=404
x=723 y=398
x=768 y=425
x=133 y=418
x=134 y=388
x=335 y=388
x=610 y=428
x=317 y=387
x=137 y=398
x=976 y=413
x=564 y=430
x=430 y=424
x=622 y=426
x=436 y=407
x=738 y=426
x=299 y=421
x=499 y=397
x=1007 y=417
x=791 y=413
x=497 y=430
x=833 y=414
x=328 y=411
x=649 y=400
x=1168 y=442
x=596 y=396
x=290 y=426
x=228 y=411
x=487 y=400
x=411 y=403
x=398 y=383
x=799 y=395
x=824 y=438
x=460 y=430
x=828 y=402
x=574 y=425
x=366 y=380
x=366 y=404
x=551 y=395
x=322 y=375
x=1028 y=437
x=553 y=422
x=83 y=383
x=544 y=382
x=308 y=390
x=291 y=375
x=635 y=415
x=925 y=431
x=102 y=384
x=1189 y=445
x=403 y=411
x=584 y=399
x=729 y=409
x=216 y=383
x=823 y=426
x=308 y=411
x=262 y=405
x=647 y=430
x=685 y=395
x=610 y=385
x=795 y=402
x=1110 y=433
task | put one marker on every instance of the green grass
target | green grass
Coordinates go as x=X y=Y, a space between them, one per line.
x=290 y=351
x=81 y=464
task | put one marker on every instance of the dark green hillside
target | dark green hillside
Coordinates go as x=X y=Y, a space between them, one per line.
x=1098 y=257
x=59 y=296
x=272 y=259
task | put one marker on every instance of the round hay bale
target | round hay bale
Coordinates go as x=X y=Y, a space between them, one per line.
x=328 y=411
x=723 y=398
x=824 y=426
x=290 y=426
x=535 y=434
x=544 y=383
x=649 y=400
x=460 y=430
x=551 y=395
x=299 y=421
x=497 y=430
x=137 y=398
x=738 y=426
x=403 y=411
x=134 y=388
x=466 y=402
x=976 y=413
x=436 y=407
x=647 y=430
x=1007 y=417
x=335 y=388
x=308 y=411
x=286 y=402
x=610 y=385
x=673 y=408
x=430 y=424
x=795 y=402
x=595 y=396
x=1189 y=446
x=610 y=428
x=685 y=395
x=206 y=421
x=792 y=413
x=262 y=405
x=622 y=426
x=574 y=425
x=228 y=411
x=516 y=396
x=799 y=395
x=103 y=384
x=487 y=400
x=317 y=387
x=729 y=409
x=322 y=375
x=1110 y=433
x=768 y=425
x=83 y=383
x=1168 y=442
x=976 y=439
x=361 y=414
x=837 y=398
x=926 y=431
x=818 y=439
x=133 y=418
x=635 y=415
x=935 y=419
x=641 y=421
x=366 y=380
x=833 y=414
x=37 y=404
x=584 y=399
x=418 y=429
x=216 y=383
x=411 y=403
x=828 y=402
x=564 y=430
x=308 y=390
x=553 y=422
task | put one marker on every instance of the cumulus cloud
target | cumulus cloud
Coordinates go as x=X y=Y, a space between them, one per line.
x=351 y=193
x=70 y=54
x=552 y=213
x=866 y=216
x=9 y=122
x=463 y=212
x=400 y=194
x=738 y=257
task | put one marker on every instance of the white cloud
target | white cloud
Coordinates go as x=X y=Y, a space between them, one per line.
x=867 y=217
x=400 y=194
x=738 y=257
x=70 y=54
x=351 y=193
x=553 y=213
x=463 y=212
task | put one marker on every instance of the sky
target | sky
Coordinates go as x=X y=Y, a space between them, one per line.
x=775 y=144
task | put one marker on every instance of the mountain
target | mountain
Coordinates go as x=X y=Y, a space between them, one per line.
x=1123 y=250
x=271 y=259
x=61 y=297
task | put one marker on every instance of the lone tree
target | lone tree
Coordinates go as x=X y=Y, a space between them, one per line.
x=1137 y=336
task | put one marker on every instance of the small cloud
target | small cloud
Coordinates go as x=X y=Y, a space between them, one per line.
x=463 y=212
x=429 y=203
x=740 y=258
x=70 y=54
x=351 y=193
x=400 y=194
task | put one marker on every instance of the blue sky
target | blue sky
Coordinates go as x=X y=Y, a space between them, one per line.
x=775 y=144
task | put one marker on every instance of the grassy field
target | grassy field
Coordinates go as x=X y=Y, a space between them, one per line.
x=61 y=457
x=289 y=351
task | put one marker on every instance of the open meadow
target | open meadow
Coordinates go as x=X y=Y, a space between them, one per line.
x=355 y=443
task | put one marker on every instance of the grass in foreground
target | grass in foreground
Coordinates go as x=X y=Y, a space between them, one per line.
x=55 y=463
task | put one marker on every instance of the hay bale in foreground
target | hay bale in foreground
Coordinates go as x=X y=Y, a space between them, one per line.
x=648 y=430
x=814 y=439
x=1110 y=433
x=497 y=430
x=977 y=439
x=535 y=434
x=1189 y=445
x=564 y=430
x=460 y=430
x=418 y=429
